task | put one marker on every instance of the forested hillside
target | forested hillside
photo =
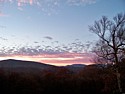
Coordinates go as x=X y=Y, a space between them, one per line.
x=93 y=79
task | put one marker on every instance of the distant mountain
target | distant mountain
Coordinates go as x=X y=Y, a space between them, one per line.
x=75 y=67
x=99 y=65
x=23 y=66
x=12 y=65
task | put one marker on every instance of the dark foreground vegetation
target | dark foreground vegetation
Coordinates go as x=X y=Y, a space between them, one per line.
x=93 y=79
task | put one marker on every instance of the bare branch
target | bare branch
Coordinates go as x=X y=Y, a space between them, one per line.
x=112 y=37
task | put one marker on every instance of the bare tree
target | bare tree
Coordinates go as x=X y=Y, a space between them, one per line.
x=111 y=44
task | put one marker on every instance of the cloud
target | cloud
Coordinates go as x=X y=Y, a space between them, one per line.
x=36 y=42
x=1 y=26
x=48 y=37
x=47 y=6
x=80 y=2
x=65 y=58
x=72 y=58
x=22 y=2
x=50 y=2
x=3 y=15
x=3 y=38
x=72 y=53
x=54 y=48
x=20 y=8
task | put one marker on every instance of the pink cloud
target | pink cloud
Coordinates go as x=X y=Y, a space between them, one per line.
x=55 y=59
x=21 y=2
x=71 y=58
x=3 y=15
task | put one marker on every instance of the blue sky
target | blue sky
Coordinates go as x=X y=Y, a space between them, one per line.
x=52 y=22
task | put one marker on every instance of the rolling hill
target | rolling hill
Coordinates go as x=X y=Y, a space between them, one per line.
x=12 y=65
x=75 y=67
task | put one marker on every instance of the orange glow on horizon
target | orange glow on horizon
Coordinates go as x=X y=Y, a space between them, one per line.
x=55 y=59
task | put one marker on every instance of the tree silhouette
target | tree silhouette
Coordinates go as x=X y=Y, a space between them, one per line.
x=111 y=44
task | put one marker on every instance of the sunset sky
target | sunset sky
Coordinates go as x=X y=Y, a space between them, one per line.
x=52 y=31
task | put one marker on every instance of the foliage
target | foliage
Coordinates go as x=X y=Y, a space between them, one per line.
x=92 y=79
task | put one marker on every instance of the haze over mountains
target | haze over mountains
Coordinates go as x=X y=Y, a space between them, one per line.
x=30 y=66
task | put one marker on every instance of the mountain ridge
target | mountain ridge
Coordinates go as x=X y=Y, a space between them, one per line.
x=32 y=66
x=12 y=65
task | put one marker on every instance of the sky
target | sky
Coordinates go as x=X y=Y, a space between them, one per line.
x=52 y=31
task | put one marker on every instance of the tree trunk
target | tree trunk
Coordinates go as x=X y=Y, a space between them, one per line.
x=118 y=81
x=117 y=72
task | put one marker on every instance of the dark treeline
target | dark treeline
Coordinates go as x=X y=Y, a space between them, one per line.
x=92 y=79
